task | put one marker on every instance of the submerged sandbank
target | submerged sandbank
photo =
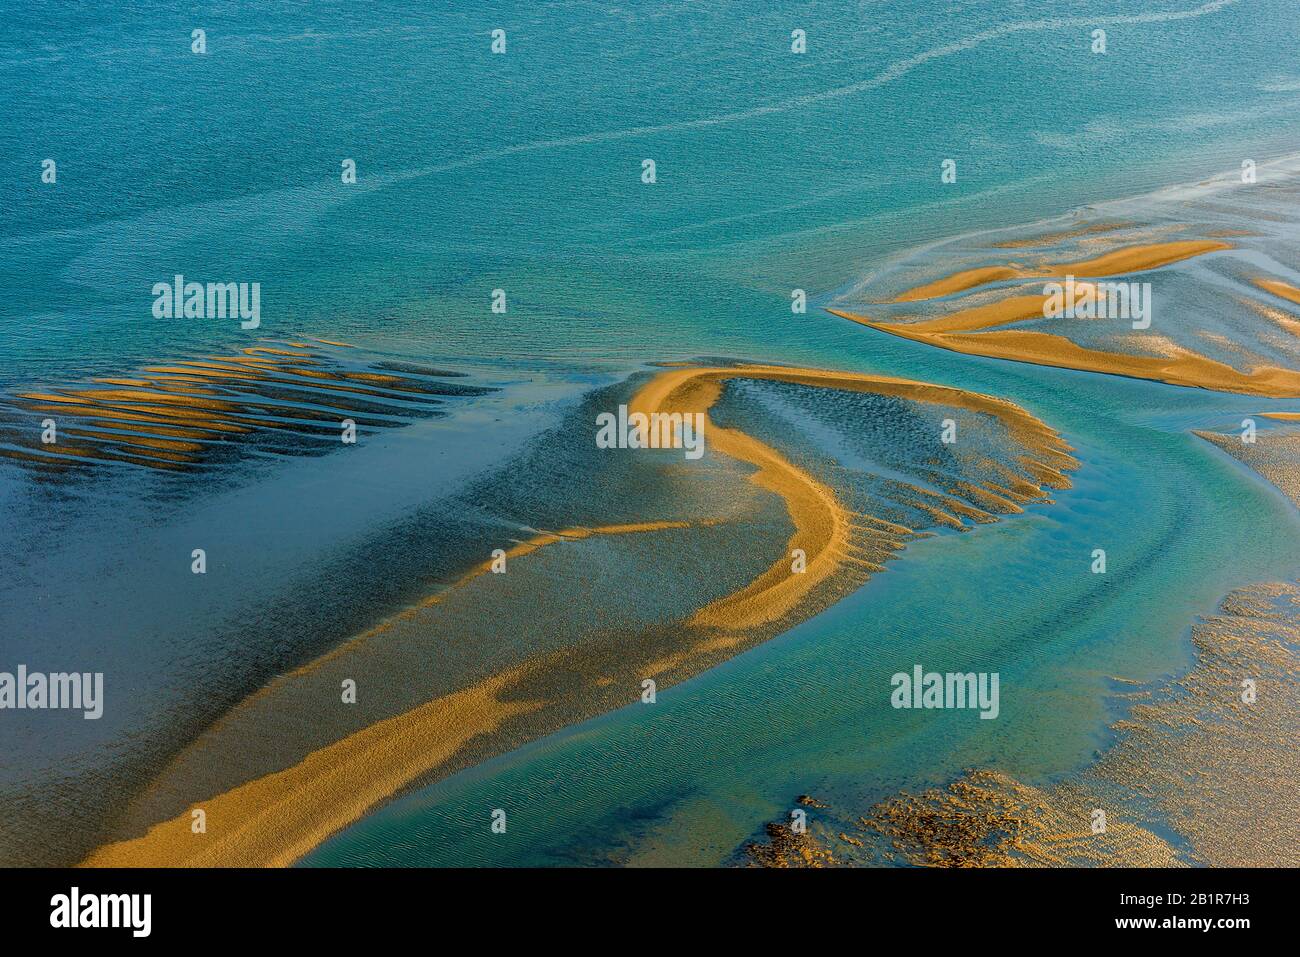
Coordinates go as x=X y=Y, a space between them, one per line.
x=282 y=398
x=1200 y=774
x=1273 y=453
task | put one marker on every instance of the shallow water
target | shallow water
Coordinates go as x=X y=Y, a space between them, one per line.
x=688 y=780
x=522 y=172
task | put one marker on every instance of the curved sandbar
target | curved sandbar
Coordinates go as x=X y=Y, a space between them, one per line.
x=276 y=818
x=822 y=525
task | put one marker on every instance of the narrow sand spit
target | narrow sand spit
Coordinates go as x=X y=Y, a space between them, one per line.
x=1045 y=349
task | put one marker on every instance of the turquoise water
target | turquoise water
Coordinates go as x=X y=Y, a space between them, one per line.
x=523 y=172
